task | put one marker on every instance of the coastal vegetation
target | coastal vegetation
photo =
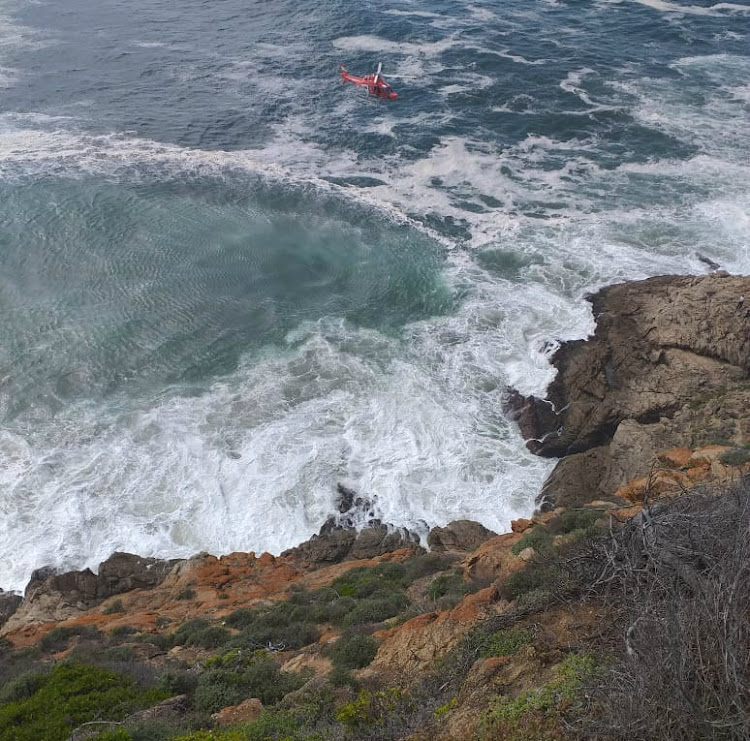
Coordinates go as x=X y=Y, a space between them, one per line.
x=669 y=662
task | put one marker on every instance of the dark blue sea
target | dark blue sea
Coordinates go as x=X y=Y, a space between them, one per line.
x=228 y=282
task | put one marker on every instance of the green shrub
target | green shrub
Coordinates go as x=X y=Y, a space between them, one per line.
x=534 y=715
x=186 y=594
x=118 y=653
x=120 y=734
x=72 y=694
x=353 y=651
x=217 y=690
x=579 y=519
x=188 y=630
x=448 y=584
x=506 y=642
x=533 y=578
x=114 y=608
x=211 y=637
x=366 y=581
x=426 y=564
x=122 y=631
x=243 y=675
x=177 y=683
x=538 y=539
x=369 y=708
x=375 y=609
x=271 y=725
x=57 y=639
x=23 y=686
x=736 y=457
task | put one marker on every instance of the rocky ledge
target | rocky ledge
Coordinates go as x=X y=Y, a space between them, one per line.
x=667 y=367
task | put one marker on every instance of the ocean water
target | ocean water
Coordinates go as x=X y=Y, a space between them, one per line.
x=228 y=282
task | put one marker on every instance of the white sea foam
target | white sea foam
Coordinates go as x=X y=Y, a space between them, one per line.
x=377 y=44
x=717 y=9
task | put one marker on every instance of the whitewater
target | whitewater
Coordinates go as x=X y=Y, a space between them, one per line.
x=229 y=283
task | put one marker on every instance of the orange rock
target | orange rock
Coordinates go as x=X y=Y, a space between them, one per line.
x=661 y=482
x=520 y=525
x=318 y=665
x=674 y=457
x=245 y=712
x=709 y=453
x=493 y=558
x=625 y=513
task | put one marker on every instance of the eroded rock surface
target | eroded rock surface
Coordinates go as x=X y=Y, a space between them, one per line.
x=668 y=366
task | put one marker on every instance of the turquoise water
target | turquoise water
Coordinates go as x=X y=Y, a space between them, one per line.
x=228 y=282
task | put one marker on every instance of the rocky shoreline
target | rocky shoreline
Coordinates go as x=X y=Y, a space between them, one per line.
x=656 y=402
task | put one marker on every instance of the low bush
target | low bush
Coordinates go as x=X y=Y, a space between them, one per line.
x=534 y=715
x=113 y=609
x=370 y=708
x=240 y=675
x=505 y=642
x=534 y=578
x=23 y=686
x=120 y=632
x=353 y=651
x=736 y=457
x=174 y=682
x=573 y=520
x=677 y=580
x=538 y=539
x=69 y=695
x=449 y=585
x=58 y=638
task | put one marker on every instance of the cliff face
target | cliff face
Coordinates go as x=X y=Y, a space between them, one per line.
x=469 y=640
x=668 y=366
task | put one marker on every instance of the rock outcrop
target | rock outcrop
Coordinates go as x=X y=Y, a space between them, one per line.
x=51 y=596
x=461 y=535
x=340 y=539
x=9 y=603
x=668 y=366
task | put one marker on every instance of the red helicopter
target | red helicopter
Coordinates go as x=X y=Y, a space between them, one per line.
x=375 y=84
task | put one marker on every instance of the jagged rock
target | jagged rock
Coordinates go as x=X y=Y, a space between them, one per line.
x=378 y=539
x=9 y=603
x=170 y=709
x=122 y=572
x=521 y=525
x=667 y=367
x=330 y=546
x=346 y=498
x=460 y=535
x=335 y=544
x=658 y=343
x=245 y=712
x=50 y=596
x=338 y=539
x=54 y=597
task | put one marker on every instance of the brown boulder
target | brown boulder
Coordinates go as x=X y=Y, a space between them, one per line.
x=245 y=712
x=493 y=559
x=460 y=535
x=9 y=603
x=122 y=572
x=335 y=544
